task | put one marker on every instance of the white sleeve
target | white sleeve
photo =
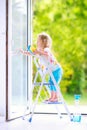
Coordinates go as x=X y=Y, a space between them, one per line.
x=47 y=50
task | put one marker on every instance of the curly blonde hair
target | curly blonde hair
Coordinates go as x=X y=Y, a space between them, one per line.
x=45 y=39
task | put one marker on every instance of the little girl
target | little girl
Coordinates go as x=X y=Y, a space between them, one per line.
x=46 y=59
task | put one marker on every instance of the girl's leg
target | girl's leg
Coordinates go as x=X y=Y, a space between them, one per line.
x=57 y=76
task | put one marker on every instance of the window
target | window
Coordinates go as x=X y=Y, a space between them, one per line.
x=19 y=20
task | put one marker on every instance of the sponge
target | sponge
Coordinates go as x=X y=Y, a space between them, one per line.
x=31 y=49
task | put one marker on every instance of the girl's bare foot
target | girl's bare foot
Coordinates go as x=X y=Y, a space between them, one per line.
x=48 y=99
x=53 y=100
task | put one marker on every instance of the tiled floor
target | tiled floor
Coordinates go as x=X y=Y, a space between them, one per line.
x=44 y=122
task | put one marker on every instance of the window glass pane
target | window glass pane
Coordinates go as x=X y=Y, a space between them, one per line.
x=17 y=73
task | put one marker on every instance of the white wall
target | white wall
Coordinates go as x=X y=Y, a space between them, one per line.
x=2 y=56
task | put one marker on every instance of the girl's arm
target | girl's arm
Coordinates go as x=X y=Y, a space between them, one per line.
x=40 y=52
x=25 y=52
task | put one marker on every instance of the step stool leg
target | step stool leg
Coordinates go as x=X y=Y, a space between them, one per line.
x=58 y=90
x=58 y=111
x=32 y=113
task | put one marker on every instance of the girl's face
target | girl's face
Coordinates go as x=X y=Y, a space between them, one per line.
x=39 y=43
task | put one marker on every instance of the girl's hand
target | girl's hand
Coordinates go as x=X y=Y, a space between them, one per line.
x=36 y=52
x=21 y=50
